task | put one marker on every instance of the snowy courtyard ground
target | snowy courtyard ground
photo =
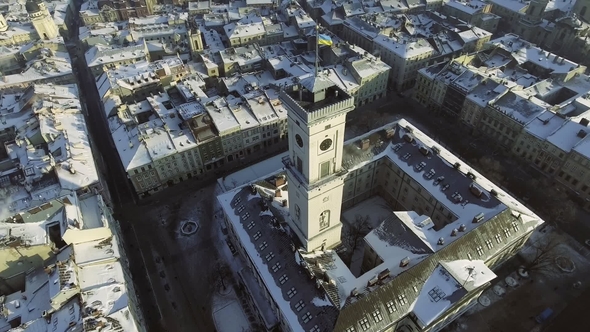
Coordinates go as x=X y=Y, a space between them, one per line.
x=513 y=308
x=228 y=314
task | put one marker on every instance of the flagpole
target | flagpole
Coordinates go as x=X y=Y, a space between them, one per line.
x=317 y=52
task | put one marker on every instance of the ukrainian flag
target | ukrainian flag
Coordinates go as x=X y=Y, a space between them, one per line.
x=324 y=40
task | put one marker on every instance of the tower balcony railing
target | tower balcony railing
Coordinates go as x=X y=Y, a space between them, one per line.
x=342 y=106
x=310 y=186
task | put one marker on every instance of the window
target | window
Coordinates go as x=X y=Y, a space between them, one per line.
x=402 y=299
x=325 y=219
x=489 y=244
x=479 y=250
x=299 y=305
x=364 y=324
x=297 y=212
x=276 y=267
x=377 y=316
x=507 y=232
x=291 y=292
x=283 y=279
x=306 y=317
x=263 y=245
x=257 y=235
x=325 y=169
x=469 y=256
x=270 y=256
x=515 y=226
x=390 y=307
x=315 y=328
x=436 y=294
x=498 y=238
x=350 y=329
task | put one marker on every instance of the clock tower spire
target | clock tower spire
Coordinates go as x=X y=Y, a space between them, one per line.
x=317 y=111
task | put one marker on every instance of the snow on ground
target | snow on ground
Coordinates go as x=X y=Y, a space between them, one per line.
x=376 y=208
x=228 y=314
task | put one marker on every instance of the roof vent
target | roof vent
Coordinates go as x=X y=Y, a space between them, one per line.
x=471 y=175
x=441 y=241
x=454 y=232
x=404 y=262
x=478 y=218
x=462 y=228
x=581 y=133
x=365 y=143
x=383 y=274
x=475 y=190
x=408 y=138
x=390 y=132
x=372 y=282
x=494 y=192
x=435 y=150
x=584 y=122
x=424 y=150
x=457 y=165
x=354 y=292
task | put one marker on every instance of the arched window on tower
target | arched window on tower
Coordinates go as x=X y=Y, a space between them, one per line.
x=325 y=219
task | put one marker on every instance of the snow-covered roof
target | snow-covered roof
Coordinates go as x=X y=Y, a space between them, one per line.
x=284 y=279
x=447 y=285
x=568 y=135
x=524 y=52
x=472 y=201
x=405 y=47
x=100 y=55
x=53 y=114
x=469 y=7
x=513 y=5
x=520 y=107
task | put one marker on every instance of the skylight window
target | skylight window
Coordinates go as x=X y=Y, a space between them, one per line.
x=489 y=244
x=283 y=279
x=315 y=328
x=436 y=294
x=276 y=267
x=479 y=250
x=364 y=324
x=291 y=292
x=263 y=245
x=402 y=299
x=391 y=307
x=515 y=226
x=270 y=256
x=507 y=232
x=257 y=235
x=498 y=238
x=306 y=317
x=300 y=305
x=350 y=329
x=377 y=316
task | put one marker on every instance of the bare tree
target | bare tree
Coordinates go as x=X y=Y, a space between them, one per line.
x=544 y=255
x=222 y=272
x=492 y=169
x=554 y=205
x=354 y=233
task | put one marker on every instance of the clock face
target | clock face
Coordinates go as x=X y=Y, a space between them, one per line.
x=326 y=144
x=299 y=140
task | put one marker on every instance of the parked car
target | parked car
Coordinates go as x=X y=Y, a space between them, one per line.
x=544 y=316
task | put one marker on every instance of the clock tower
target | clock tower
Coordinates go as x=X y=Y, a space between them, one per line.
x=316 y=118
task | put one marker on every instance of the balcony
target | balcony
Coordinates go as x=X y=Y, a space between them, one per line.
x=301 y=179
